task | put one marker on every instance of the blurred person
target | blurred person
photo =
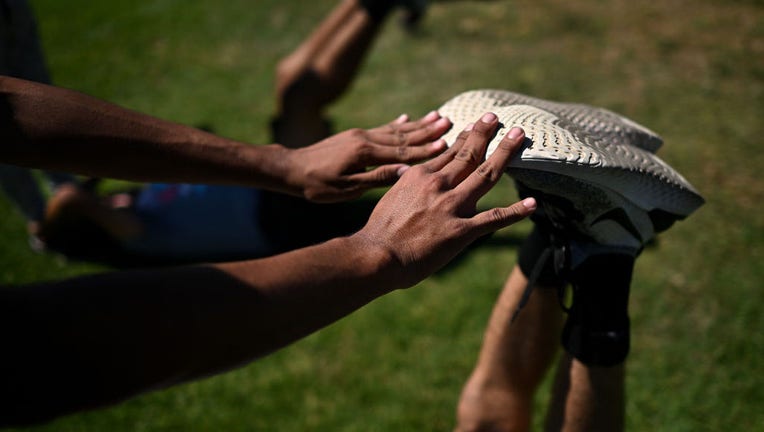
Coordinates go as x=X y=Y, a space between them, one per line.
x=162 y=223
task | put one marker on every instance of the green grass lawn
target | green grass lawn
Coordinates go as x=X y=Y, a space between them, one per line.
x=691 y=70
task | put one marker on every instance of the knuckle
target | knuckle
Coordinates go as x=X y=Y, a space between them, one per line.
x=499 y=215
x=402 y=153
x=489 y=172
x=401 y=138
x=467 y=155
x=436 y=181
x=459 y=228
x=364 y=150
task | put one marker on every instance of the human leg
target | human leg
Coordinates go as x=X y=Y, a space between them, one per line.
x=321 y=69
x=589 y=388
x=609 y=197
x=79 y=224
x=586 y=398
x=588 y=393
x=518 y=346
x=313 y=76
x=157 y=224
x=513 y=359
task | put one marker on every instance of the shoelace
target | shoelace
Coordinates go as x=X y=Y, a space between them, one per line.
x=559 y=251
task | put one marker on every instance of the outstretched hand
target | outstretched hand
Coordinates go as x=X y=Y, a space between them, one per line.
x=347 y=164
x=430 y=214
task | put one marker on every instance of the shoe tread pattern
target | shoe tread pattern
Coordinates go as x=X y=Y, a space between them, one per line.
x=582 y=142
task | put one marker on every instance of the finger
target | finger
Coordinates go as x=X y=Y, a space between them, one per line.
x=489 y=172
x=428 y=118
x=497 y=218
x=402 y=119
x=403 y=122
x=381 y=176
x=408 y=134
x=381 y=154
x=437 y=164
x=472 y=153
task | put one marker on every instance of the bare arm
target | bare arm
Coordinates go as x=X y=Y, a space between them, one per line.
x=96 y=340
x=48 y=127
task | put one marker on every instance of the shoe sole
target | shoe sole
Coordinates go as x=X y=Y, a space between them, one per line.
x=597 y=160
x=597 y=122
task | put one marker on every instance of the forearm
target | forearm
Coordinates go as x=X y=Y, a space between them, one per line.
x=53 y=128
x=307 y=289
x=97 y=340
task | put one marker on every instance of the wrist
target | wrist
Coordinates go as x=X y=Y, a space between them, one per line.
x=373 y=262
x=273 y=168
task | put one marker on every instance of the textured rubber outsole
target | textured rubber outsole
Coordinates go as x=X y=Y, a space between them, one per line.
x=595 y=121
x=594 y=159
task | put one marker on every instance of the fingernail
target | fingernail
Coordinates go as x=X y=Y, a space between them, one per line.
x=432 y=115
x=442 y=122
x=439 y=144
x=488 y=117
x=529 y=203
x=515 y=133
x=403 y=118
x=469 y=127
x=402 y=170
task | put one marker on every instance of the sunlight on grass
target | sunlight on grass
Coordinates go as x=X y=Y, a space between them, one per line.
x=692 y=71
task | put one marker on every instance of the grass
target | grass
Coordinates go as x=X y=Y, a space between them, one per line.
x=693 y=71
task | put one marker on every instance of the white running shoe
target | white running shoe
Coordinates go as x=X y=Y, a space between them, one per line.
x=592 y=171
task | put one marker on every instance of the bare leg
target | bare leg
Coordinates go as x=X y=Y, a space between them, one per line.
x=72 y=203
x=513 y=360
x=587 y=398
x=319 y=71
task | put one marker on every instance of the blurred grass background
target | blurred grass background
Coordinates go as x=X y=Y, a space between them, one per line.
x=691 y=70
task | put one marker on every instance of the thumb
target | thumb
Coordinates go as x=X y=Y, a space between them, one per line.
x=497 y=218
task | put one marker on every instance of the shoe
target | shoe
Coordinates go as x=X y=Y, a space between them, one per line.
x=599 y=122
x=593 y=172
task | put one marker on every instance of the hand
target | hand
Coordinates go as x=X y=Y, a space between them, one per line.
x=335 y=169
x=430 y=214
